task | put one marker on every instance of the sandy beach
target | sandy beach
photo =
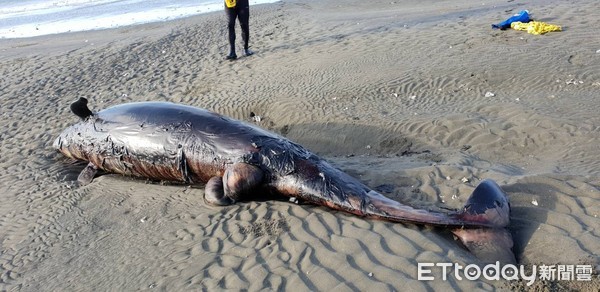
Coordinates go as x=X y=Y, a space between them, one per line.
x=420 y=100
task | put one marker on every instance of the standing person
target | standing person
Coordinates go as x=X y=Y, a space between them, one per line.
x=238 y=9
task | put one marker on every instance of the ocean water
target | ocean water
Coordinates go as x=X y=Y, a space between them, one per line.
x=29 y=18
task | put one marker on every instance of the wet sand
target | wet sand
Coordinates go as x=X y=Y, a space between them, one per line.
x=418 y=99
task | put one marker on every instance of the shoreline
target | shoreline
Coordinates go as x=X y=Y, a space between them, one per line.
x=62 y=43
x=65 y=17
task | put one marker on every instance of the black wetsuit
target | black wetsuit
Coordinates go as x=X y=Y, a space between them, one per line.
x=241 y=11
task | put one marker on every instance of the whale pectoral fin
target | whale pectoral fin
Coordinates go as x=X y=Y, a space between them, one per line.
x=87 y=174
x=214 y=193
x=240 y=178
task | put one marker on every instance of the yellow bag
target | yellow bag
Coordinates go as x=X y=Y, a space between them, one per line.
x=230 y=3
x=535 y=27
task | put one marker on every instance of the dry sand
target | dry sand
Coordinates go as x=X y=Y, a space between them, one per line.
x=393 y=92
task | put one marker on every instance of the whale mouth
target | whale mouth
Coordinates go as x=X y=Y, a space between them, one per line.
x=57 y=144
x=80 y=108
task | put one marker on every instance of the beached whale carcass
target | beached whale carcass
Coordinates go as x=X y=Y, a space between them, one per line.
x=237 y=160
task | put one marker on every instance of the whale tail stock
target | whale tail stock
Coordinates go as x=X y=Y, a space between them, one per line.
x=481 y=225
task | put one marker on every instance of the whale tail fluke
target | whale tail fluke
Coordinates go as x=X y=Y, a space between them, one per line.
x=489 y=205
x=480 y=224
x=488 y=244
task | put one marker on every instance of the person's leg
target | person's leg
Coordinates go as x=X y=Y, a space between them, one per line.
x=231 y=16
x=244 y=16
